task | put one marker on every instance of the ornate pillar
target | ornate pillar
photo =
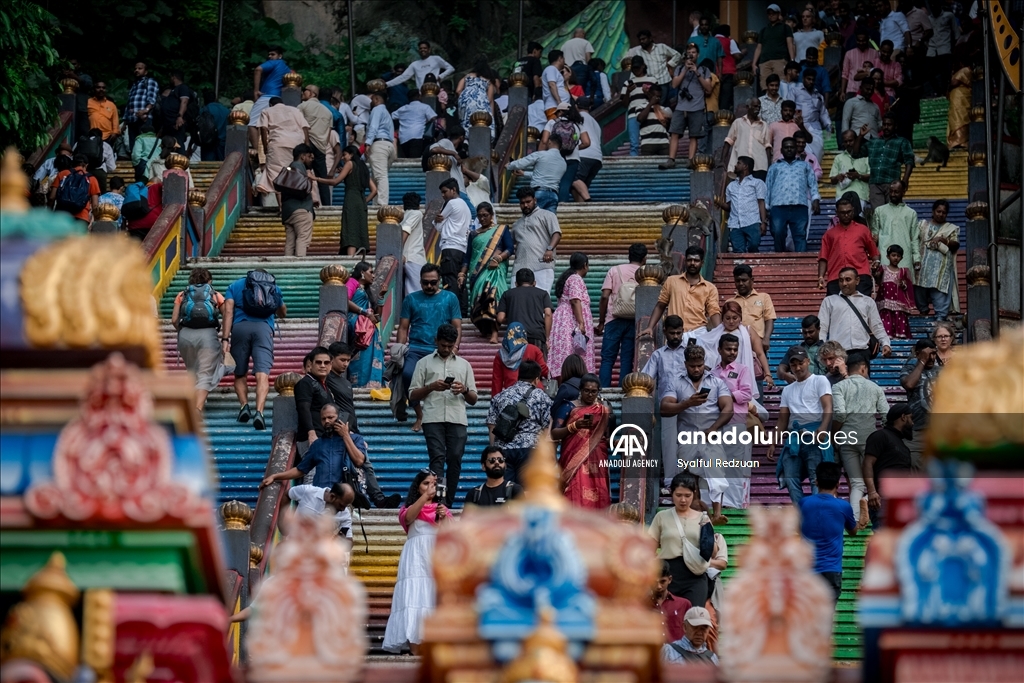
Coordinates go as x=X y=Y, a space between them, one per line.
x=389 y=260
x=748 y=46
x=723 y=121
x=236 y=517
x=197 y=211
x=532 y=139
x=744 y=90
x=518 y=91
x=674 y=238
x=977 y=170
x=979 y=272
x=333 y=305
x=291 y=91
x=637 y=464
x=175 y=189
x=438 y=170
x=105 y=219
x=649 y=280
x=428 y=94
x=833 y=50
x=238 y=133
x=479 y=136
x=69 y=99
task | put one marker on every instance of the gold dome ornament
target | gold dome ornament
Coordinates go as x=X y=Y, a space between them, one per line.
x=333 y=274
x=834 y=39
x=392 y=215
x=376 y=85
x=626 y=63
x=255 y=556
x=542 y=477
x=236 y=515
x=292 y=80
x=979 y=73
x=744 y=78
x=178 y=161
x=650 y=275
x=285 y=383
x=750 y=37
x=979 y=276
x=197 y=198
x=977 y=114
x=430 y=89
x=638 y=385
x=976 y=158
x=42 y=628
x=480 y=119
x=517 y=79
x=724 y=117
x=702 y=162
x=532 y=134
x=70 y=85
x=676 y=213
x=543 y=656
x=107 y=212
x=237 y=117
x=977 y=211
x=439 y=162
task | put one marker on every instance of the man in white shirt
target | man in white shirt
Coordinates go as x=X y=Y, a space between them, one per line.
x=450 y=145
x=553 y=80
x=591 y=158
x=659 y=58
x=427 y=64
x=840 y=323
x=744 y=201
x=413 y=119
x=893 y=26
x=577 y=48
x=313 y=501
x=453 y=227
x=361 y=106
x=413 y=251
x=380 y=139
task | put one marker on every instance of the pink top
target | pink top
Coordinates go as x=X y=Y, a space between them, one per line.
x=740 y=381
x=852 y=63
x=891 y=72
x=780 y=130
x=428 y=514
x=352 y=285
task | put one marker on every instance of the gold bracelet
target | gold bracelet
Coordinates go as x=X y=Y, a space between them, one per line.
x=572 y=428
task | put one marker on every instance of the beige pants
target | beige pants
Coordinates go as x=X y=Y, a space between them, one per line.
x=382 y=155
x=772 y=66
x=298 y=233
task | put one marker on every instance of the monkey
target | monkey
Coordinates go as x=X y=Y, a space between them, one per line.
x=937 y=152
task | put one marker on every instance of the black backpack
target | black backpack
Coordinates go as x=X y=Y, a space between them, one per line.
x=261 y=297
x=511 y=416
x=197 y=309
x=73 y=193
x=209 y=136
x=192 y=108
x=92 y=148
x=478 y=491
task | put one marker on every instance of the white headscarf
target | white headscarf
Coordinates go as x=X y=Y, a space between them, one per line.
x=709 y=341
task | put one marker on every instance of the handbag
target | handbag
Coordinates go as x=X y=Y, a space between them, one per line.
x=874 y=347
x=362 y=335
x=292 y=184
x=703 y=549
x=579 y=343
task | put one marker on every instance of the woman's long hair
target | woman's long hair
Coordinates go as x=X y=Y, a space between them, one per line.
x=358 y=271
x=414 y=489
x=577 y=262
x=481 y=68
x=573 y=115
x=359 y=167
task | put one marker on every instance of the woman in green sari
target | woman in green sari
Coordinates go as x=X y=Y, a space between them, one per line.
x=486 y=264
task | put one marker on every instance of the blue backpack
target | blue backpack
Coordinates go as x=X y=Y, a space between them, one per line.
x=197 y=310
x=261 y=297
x=136 y=201
x=73 y=193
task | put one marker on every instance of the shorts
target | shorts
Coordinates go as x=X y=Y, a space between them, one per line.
x=693 y=121
x=257 y=108
x=587 y=170
x=252 y=339
x=659 y=150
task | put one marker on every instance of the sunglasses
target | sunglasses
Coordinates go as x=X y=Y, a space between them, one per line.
x=495 y=460
x=429 y=283
x=321 y=362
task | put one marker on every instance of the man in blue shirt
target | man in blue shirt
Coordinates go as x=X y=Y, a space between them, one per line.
x=220 y=121
x=253 y=339
x=422 y=313
x=329 y=456
x=413 y=119
x=380 y=141
x=824 y=516
x=790 y=182
x=268 y=79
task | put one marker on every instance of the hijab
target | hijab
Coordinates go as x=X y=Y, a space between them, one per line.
x=513 y=347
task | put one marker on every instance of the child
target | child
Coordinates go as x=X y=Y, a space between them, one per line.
x=895 y=295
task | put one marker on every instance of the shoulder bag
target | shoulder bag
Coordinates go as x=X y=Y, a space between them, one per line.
x=874 y=347
x=292 y=184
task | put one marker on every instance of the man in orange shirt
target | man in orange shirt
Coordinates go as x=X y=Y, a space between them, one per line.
x=65 y=197
x=103 y=112
x=689 y=296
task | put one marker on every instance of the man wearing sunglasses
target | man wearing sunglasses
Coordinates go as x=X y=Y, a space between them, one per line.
x=311 y=395
x=497 y=490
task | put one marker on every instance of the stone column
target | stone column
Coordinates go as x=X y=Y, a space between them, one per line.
x=702 y=196
x=438 y=170
x=333 y=305
x=236 y=517
x=175 y=189
x=105 y=219
x=649 y=279
x=479 y=136
x=978 y=86
x=833 y=51
x=723 y=121
x=748 y=46
x=389 y=255
x=197 y=209
x=428 y=94
x=518 y=92
x=637 y=410
x=979 y=273
x=291 y=90
x=744 y=90
x=69 y=100
x=675 y=238
x=977 y=171
x=238 y=134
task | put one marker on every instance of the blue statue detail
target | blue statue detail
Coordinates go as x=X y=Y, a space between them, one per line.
x=537 y=568
x=953 y=563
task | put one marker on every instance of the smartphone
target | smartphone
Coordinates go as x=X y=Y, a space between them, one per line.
x=588 y=419
x=449 y=380
x=440 y=491
x=705 y=391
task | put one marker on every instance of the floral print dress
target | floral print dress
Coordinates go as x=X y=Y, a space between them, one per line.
x=563 y=324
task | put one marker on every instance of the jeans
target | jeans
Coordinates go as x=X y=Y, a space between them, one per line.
x=852 y=457
x=746 y=240
x=835 y=582
x=411 y=358
x=929 y=295
x=789 y=217
x=795 y=459
x=446 y=442
x=515 y=459
x=570 y=175
x=546 y=199
x=619 y=336
x=633 y=128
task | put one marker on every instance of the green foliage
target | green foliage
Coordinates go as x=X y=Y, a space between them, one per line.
x=28 y=86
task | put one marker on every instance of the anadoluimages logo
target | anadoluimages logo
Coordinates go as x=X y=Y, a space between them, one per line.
x=628 y=441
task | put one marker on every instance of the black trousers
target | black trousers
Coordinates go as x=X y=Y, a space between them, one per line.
x=725 y=100
x=320 y=168
x=101 y=177
x=446 y=444
x=451 y=264
x=864 y=285
x=373 y=490
x=412 y=149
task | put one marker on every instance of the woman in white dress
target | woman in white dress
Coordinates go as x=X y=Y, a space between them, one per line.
x=414 y=596
x=751 y=351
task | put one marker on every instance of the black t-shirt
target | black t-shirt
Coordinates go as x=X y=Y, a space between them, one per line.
x=890 y=452
x=525 y=305
x=492 y=495
x=170 y=105
x=310 y=398
x=532 y=67
x=341 y=390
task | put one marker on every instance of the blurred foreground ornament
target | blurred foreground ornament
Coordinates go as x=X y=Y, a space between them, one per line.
x=543 y=656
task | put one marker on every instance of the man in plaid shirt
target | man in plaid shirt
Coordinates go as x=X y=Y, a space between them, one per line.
x=141 y=100
x=885 y=156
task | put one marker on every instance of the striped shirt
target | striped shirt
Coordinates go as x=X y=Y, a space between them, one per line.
x=638 y=96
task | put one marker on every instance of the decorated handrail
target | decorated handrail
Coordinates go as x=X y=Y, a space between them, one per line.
x=511 y=145
x=612 y=117
x=225 y=201
x=162 y=246
x=390 y=296
x=264 y=520
x=62 y=131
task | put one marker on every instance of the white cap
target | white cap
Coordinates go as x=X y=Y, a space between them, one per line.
x=562 y=106
x=774 y=8
x=697 y=616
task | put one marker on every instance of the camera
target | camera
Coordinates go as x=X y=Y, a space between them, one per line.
x=685 y=94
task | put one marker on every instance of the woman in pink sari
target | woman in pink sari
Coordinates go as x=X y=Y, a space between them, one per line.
x=584 y=436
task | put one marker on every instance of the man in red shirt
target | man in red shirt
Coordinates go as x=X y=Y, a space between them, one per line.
x=673 y=609
x=80 y=166
x=731 y=51
x=847 y=245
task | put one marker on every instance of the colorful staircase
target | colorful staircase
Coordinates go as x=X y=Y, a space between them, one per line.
x=203 y=172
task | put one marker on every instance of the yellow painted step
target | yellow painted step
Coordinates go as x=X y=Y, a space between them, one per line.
x=925 y=183
x=203 y=172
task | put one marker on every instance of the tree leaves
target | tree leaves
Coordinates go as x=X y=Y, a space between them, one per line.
x=28 y=80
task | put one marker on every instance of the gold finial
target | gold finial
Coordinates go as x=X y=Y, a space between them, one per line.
x=625 y=512
x=979 y=73
x=13 y=183
x=196 y=198
x=976 y=157
x=236 y=515
x=285 y=383
x=439 y=162
x=651 y=275
x=106 y=212
x=977 y=211
x=543 y=656
x=744 y=77
x=724 y=117
x=676 y=214
x=978 y=114
x=42 y=628
x=237 y=117
x=98 y=631
x=255 y=555
x=177 y=160
x=532 y=134
x=517 y=79
x=292 y=80
x=390 y=214
x=750 y=37
x=333 y=274
x=979 y=276
x=625 y=64
x=702 y=162
x=479 y=119
x=376 y=85
x=638 y=385
x=542 y=477
x=70 y=85
x=834 y=39
x=429 y=89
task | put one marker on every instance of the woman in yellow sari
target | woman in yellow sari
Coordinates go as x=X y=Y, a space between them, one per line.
x=487 y=266
x=584 y=436
x=959 y=108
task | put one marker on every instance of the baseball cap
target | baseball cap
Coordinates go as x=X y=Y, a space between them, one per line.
x=697 y=616
x=797 y=353
x=562 y=106
x=774 y=8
